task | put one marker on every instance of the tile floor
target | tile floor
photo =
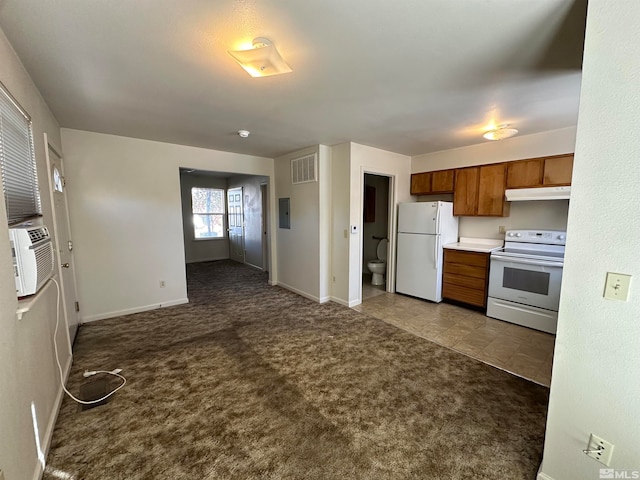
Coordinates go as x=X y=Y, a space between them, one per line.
x=522 y=351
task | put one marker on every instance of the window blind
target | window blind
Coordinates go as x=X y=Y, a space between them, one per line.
x=17 y=161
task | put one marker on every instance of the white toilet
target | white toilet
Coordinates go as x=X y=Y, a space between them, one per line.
x=378 y=267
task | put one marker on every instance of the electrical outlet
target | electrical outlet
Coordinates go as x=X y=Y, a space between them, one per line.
x=502 y=229
x=599 y=449
x=163 y=284
x=617 y=286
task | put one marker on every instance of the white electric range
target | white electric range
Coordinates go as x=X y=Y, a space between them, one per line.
x=525 y=278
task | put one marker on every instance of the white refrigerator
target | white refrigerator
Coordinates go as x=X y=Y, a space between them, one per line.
x=423 y=228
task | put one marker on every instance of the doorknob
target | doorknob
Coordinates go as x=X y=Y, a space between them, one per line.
x=65 y=265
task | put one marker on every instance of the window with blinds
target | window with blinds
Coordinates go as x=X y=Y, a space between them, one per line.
x=17 y=161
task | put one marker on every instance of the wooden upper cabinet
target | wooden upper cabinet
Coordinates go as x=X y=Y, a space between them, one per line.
x=427 y=183
x=421 y=183
x=479 y=191
x=525 y=173
x=558 y=170
x=491 y=200
x=442 y=181
x=465 y=195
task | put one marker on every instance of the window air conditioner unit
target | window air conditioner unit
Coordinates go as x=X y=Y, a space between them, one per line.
x=33 y=257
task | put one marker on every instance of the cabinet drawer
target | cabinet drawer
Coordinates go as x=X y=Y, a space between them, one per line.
x=465 y=270
x=465 y=281
x=468 y=258
x=464 y=294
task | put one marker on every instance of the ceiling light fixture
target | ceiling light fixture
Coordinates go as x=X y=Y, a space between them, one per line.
x=262 y=60
x=244 y=133
x=500 y=133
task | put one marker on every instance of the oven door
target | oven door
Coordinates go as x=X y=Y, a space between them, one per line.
x=527 y=281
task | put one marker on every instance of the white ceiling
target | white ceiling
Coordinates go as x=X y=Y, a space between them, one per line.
x=410 y=76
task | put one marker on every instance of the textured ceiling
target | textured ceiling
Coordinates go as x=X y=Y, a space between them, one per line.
x=412 y=76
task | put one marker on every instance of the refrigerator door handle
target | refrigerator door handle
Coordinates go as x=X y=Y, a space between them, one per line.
x=437 y=229
x=435 y=252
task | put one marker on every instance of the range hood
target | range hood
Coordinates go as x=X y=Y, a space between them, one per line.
x=541 y=193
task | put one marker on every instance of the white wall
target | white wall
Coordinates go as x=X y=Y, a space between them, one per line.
x=364 y=159
x=28 y=374
x=540 y=215
x=554 y=142
x=299 y=247
x=125 y=208
x=200 y=250
x=252 y=205
x=595 y=386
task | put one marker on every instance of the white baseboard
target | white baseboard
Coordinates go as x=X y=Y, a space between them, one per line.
x=129 y=311
x=207 y=259
x=53 y=417
x=543 y=476
x=340 y=301
x=325 y=299
x=353 y=303
x=299 y=292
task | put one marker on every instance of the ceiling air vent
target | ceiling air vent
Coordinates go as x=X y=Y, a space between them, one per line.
x=304 y=169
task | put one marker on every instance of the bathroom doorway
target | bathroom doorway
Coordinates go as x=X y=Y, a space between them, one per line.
x=375 y=232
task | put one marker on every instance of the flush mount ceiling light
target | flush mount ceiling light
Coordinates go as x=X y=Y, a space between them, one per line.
x=262 y=60
x=244 y=133
x=500 y=133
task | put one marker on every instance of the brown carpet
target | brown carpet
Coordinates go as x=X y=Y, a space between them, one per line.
x=250 y=381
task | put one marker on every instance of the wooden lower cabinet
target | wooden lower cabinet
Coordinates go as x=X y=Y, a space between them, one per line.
x=466 y=277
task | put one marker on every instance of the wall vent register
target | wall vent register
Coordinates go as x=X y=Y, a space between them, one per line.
x=304 y=169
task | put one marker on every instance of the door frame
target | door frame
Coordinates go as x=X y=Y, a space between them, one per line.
x=264 y=200
x=390 y=276
x=56 y=236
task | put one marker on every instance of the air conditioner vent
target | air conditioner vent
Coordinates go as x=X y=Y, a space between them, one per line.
x=304 y=169
x=38 y=234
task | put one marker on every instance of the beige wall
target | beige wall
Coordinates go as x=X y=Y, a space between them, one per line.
x=125 y=209
x=543 y=144
x=340 y=212
x=299 y=246
x=28 y=375
x=595 y=385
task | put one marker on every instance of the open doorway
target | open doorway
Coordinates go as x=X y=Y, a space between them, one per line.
x=209 y=224
x=375 y=235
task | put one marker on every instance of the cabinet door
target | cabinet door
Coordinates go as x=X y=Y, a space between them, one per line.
x=491 y=201
x=442 y=181
x=465 y=193
x=558 y=170
x=525 y=173
x=421 y=183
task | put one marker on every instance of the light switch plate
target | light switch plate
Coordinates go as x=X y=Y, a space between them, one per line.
x=617 y=286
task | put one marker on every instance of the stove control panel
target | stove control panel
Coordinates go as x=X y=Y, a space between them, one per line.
x=546 y=237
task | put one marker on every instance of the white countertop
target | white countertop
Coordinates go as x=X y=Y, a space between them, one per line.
x=482 y=245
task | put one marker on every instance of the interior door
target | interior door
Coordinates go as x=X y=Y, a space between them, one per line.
x=235 y=216
x=62 y=239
